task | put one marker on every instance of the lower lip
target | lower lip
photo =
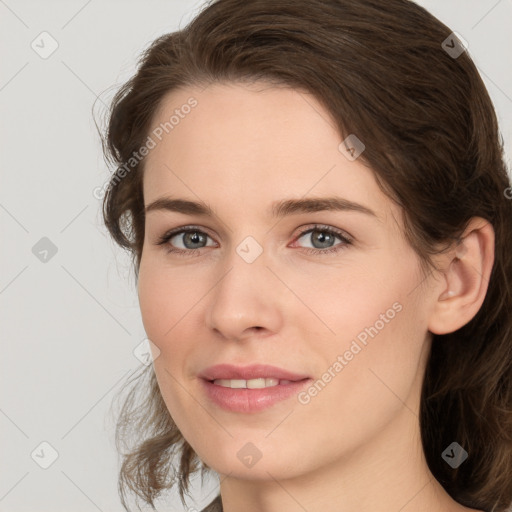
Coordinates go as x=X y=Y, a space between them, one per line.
x=251 y=400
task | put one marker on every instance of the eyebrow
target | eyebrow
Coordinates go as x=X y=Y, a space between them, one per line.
x=278 y=209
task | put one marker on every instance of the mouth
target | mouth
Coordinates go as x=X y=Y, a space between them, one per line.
x=252 y=395
x=260 y=383
x=251 y=376
x=250 y=389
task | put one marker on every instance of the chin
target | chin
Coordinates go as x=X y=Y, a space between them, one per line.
x=248 y=463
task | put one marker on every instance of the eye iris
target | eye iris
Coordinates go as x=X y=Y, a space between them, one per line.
x=194 y=237
x=322 y=237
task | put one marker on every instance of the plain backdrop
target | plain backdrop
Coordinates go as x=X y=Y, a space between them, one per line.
x=70 y=324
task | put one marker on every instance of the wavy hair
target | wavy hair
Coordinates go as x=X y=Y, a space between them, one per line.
x=382 y=70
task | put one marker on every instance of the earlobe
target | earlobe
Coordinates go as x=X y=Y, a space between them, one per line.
x=461 y=292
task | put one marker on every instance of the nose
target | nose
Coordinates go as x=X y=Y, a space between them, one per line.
x=246 y=302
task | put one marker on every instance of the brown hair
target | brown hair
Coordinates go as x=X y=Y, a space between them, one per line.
x=432 y=140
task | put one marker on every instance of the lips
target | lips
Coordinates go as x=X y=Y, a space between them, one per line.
x=255 y=371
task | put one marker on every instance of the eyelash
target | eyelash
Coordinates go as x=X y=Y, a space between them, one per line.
x=164 y=239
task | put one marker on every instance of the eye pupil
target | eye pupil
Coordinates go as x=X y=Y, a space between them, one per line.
x=194 y=237
x=322 y=237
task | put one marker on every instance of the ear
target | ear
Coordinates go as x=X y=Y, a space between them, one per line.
x=465 y=278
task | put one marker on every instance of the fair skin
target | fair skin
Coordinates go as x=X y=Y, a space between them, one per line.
x=356 y=445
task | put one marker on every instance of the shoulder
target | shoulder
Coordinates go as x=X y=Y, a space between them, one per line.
x=214 y=506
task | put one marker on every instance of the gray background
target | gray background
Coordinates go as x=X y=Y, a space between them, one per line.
x=70 y=321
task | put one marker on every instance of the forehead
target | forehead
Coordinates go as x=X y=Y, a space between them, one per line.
x=251 y=144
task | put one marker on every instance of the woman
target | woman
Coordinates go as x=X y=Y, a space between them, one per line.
x=314 y=194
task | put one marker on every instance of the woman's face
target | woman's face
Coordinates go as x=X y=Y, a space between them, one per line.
x=249 y=287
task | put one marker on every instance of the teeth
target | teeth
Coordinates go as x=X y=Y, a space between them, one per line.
x=250 y=384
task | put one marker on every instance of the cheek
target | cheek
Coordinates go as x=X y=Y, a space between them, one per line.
x=164 y=302
x=365 y=385
x=165 y=296
x=154 y=303
x=375 y=342
x=342 y=302
x=386 y=355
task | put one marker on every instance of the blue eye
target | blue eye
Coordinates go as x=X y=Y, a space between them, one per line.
x=324 y=235
x=188 y=236
x=192 y=239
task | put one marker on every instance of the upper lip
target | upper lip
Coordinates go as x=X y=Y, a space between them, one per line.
x=254 y=371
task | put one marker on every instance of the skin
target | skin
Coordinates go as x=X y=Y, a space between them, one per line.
x=356 y=445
